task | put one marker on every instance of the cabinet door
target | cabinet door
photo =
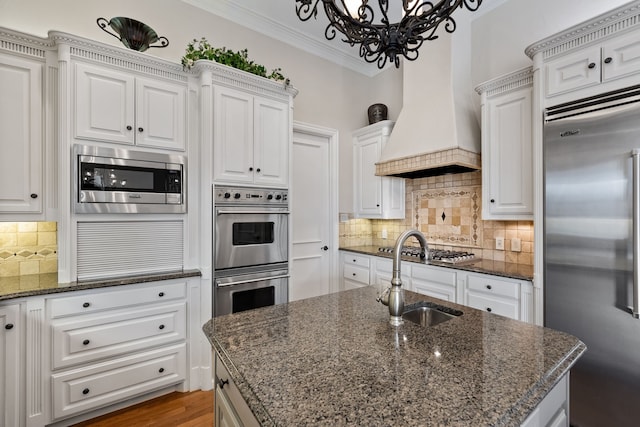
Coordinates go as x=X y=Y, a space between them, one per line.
x=232 y=136
x=9 y=366
x=507 y=149
x=575 y=71
x=435 y=282
x=160 y=114
x=621 y=57
x=21 y=135
x=104 y=107
x=225 y=416
x=368 y=187
x=271 y=142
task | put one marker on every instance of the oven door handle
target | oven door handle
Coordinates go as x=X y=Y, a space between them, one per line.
x=223 y=212
x=259 y=279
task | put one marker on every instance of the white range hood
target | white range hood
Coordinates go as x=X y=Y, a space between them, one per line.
x=437 y=131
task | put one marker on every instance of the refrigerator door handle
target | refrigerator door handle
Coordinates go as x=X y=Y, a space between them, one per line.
x=635 y=310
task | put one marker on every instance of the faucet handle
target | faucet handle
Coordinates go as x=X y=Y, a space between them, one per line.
x=384 y=296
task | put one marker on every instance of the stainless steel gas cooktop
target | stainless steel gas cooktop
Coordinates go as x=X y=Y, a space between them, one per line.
x=441 y=255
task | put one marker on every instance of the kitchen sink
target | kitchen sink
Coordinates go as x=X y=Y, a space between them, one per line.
x=429 y=314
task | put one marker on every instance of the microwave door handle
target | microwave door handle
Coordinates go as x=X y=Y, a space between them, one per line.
x=223 y=212
x=635 y=310
x=260 y=279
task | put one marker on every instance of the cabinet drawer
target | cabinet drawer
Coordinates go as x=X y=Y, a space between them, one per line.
x=95 y=301
x=356 y=274
x=434 y=274
x=88 y=388
x=501 y=306
x=359 y=260
x=94 y=337
x=493 y=286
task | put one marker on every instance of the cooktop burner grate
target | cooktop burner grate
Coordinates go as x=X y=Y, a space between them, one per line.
x=440 y=255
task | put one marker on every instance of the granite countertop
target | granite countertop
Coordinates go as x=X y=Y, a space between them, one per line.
x=497 y=268
x=42 y=284
x=336 y=360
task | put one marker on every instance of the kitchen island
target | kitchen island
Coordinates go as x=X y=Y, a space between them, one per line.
x=336 y=360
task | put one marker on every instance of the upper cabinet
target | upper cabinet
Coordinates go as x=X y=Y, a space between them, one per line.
x=116 y=106
x=251 y=139
x=375 y=196
x=21 y=134
x=507 y=174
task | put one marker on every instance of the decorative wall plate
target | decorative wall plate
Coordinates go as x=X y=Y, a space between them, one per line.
x=133 y=34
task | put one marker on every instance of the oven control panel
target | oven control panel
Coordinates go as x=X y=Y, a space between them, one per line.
x=250 y=196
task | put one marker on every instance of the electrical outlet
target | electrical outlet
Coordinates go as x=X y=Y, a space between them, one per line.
x=384 y=233
x=516 y=245
x=500 y=243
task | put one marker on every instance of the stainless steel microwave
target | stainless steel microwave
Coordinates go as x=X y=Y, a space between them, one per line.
x=116 y=180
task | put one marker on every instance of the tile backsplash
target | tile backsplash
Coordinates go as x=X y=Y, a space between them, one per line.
x=447 y=209
x=28 y=248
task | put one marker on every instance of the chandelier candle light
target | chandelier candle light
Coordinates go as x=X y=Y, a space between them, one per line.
x=369 y=25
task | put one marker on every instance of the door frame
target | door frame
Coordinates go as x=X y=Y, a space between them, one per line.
x=333 y=137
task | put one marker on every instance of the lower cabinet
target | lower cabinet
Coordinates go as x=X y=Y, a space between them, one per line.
x=553 y=411
x=355 y=270
x=230 y=408
x=110 y=345
x=437 y=282
x=10 y=354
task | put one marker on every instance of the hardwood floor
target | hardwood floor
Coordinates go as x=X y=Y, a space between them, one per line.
x=193 y=409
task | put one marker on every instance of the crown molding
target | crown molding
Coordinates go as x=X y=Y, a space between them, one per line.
x=246 y=17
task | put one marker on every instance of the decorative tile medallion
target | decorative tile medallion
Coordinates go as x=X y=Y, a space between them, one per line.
x=449 y=216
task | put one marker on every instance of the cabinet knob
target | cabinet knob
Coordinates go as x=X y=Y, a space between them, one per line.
x=85 y=391
x=86 y=342
x=251 y=169
x=325 y=248
x=161 y=294
x=161 y=370
x=592 y=65
x=140 y=130
x=161 y=327
x=488 y=286
x=8 y=326
x=222 y=383
x=378 y=205
x=129 y=128
x=258 y=170
x=608 y=60
x=492 y=200
x=33 y=196
x=86 y=304
x=489 y=309
x=354 y=274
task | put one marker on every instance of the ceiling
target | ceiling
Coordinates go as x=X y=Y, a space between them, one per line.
x=278 y=19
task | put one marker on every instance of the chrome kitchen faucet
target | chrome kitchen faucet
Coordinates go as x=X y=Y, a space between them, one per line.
x=393 y=296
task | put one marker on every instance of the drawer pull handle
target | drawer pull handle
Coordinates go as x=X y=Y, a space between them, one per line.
x=608 y=60
x=161 y=327
x=161 y=370
x=86 y=304
x=33 y=195
x=488 y=286
x=86 y=342
x=489 y=309
x=140 y=130
x=129 y=127
x=85 y=391
x=161 y=294
x=592 y=65
x=8 y=326
x=222 y=383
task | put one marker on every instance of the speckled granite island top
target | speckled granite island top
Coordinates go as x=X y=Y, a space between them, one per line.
x=336 y=360
x=497 y=268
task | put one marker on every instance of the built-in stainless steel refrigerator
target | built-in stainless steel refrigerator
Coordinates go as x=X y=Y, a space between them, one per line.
x=591 y=264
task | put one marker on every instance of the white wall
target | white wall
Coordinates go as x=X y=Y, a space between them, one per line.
x=330 y=95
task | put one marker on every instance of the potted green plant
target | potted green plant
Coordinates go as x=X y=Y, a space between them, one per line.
x=202 y=49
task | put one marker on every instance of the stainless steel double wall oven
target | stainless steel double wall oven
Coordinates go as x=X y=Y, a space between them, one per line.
x=251 y=248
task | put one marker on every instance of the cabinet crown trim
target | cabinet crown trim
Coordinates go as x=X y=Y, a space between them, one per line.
x=230 y=76
x=24 y=44
x=507 y=82
x=607 y=24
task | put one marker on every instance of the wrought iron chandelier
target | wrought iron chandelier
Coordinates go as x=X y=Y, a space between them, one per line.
x=370 y=25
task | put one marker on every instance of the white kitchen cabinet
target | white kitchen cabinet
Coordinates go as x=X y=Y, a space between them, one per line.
x=498 y=295
x=437 y=282
x=114 y=344
x=251 y=139
x=383 y=273
x=507 y=171
x=21 y=135
x=553 y=411
x=230 y=407
x=119 y=107
x=594 y=64
x=10 y=355
x=356 y=270
x=380 y=197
